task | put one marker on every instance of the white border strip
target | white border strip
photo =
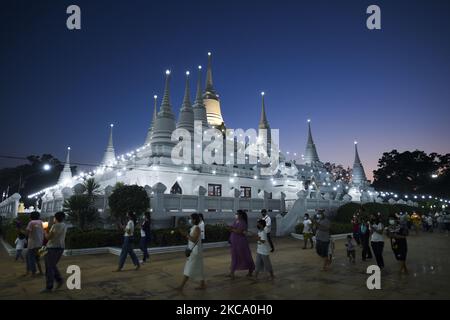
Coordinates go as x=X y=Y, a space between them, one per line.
x=116 y=251
x=334 y=237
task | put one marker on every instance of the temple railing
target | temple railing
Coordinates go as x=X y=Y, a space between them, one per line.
x=10 y=206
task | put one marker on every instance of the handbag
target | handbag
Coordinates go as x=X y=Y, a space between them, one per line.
x=188 y=251
x=42 y=251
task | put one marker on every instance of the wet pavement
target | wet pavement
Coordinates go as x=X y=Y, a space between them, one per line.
x=297 y=272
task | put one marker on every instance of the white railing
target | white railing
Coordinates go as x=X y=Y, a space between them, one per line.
x=10 y=206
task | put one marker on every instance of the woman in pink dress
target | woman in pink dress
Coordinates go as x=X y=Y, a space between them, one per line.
x=241 y=256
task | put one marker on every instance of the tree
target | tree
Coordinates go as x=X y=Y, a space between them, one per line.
x=81 y=212
x=413 y=172
x=128 y=198
x=338 y=172
x=91 y=188
x=31 y=176
x=81 y=208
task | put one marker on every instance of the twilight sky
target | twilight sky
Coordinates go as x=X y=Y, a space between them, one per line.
x=314 y=59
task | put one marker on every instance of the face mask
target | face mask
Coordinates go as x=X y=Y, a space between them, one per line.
x=391 y=222
x=305 y=218
x=319 y=216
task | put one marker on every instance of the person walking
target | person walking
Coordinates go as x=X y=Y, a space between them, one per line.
x=268 y=220
x=416 y=220
x=364 y=231
x=355 y=228
x=430 y=223
x=193 y=268
x=377 y=239
x=263 y=262
x=323 y=225
x=55 y=248
x=441 y=223
x=127 y=247
x=145 y=237
x=350 y=246
x=20 y=243
x=307 y=231
x=446 y=221
x=241 y=256
x=35 y=240
x=397 y=234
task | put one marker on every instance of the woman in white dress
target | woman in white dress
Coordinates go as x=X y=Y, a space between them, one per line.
x=193 y=269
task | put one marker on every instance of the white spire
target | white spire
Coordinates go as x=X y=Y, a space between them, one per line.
x=211 y=98
x=66 y=174
x=358 y=173
x=148 y=139
x=186 y=117
x=263 y=123
x=110 y=156
x=210 y=93
x=164 y=125
x=311 y=155
x=199 y=106
x=264 y=134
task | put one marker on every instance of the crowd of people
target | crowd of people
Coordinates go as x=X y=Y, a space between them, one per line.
x=369 y=234
x=43 y=242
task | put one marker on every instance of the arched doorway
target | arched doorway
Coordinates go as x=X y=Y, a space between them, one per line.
x=176 y=189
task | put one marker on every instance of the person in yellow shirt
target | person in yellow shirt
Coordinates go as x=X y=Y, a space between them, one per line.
x=416 y=222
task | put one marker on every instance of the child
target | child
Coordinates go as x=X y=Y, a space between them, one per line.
x=20 y=245
x=263 y=250
x=350 y=249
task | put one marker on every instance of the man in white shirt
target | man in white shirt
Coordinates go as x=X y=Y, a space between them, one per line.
x=268 y=227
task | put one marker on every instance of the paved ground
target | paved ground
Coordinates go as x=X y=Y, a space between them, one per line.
x=298 y=276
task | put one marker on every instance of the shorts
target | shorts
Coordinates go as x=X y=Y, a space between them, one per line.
x=263 y=263
x=307 y=236
x=322 y=248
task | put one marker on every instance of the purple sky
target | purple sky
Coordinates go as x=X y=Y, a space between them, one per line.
x=388 y=89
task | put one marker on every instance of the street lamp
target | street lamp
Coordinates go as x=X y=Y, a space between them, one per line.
x=46 y=167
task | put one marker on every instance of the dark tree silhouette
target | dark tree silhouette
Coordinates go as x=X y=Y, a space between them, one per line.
x=30 y=177
x=413 y=172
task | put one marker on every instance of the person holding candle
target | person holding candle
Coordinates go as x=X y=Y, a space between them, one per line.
x=55 y=248
x=193 y=268
x=35 y=233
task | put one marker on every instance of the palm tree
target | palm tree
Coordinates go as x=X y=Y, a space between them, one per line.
x=80 y=212
x=91 y=188
x=81 y=208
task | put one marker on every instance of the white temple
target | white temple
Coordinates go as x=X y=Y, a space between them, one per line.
x=216 y=189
